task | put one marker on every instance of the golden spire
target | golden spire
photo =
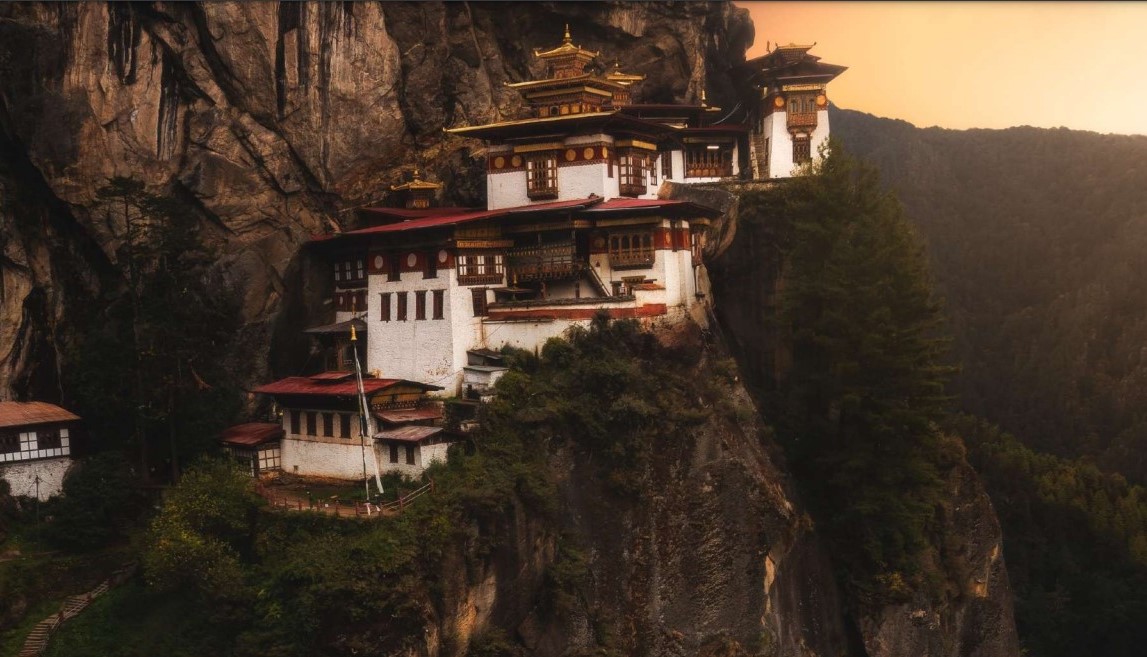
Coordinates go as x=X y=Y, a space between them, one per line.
x=353 y=336
x=567 y=38
x=703 y=101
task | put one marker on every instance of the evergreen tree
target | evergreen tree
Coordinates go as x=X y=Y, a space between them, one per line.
x=857 y=409
x=148 y=365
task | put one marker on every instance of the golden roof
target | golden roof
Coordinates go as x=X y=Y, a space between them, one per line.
x=541 y=120
x=566 y=49
x=616 y=75
x=417 y=183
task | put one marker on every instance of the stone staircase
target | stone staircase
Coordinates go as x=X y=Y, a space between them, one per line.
x=38 y=638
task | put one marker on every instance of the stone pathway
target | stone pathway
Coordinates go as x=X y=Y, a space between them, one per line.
x=38 y=638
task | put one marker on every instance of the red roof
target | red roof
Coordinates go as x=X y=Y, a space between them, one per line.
x=663 y=205
x=304 y=385
x=18 y=414
x=450 y=219
x=402 y=214
x=252 y=434
x=410 y=434
x=331 y=376
x=398 y=416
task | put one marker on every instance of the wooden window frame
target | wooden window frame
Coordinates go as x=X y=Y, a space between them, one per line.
x=631 y=249
x=666 y=165
x=481 y=268
x=439 y=304
x=394 y=452
x=400 y=312
x=384 y=306
x=328 y=425
x=542 y=175
x=632 y=179
x=296 y=422
x=9 y=442
x=478 y=298
x=420 y=304
x=312 y=423
x=802 y=149
x=344 y=425
x=431 y=268
x=394 y=271
x=410 y=455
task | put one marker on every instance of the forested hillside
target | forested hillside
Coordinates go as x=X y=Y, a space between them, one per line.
x=1039 y=245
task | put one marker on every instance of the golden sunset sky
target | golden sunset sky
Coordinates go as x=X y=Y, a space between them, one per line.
x=976 y=65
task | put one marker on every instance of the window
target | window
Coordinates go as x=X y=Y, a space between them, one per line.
x=542 y=176
x=401 y=315
x=431 y=270
x=631 y=250
x=709 y=161
x=395 y=272
x=350 y=271
x=269 y=459
x=801 y=151
x=296 y=423
x=48 y=438
x=802 y=111
x=328 y=425
x=667 y=165
x=384 y=306
x=420 y=304
x=410 y=455
x=9 y=442
x=438 y=303
x=481 y=269
x=393 y=452
x=311 y=422
x=479 y=297
x=344 y=425
x=631 y=174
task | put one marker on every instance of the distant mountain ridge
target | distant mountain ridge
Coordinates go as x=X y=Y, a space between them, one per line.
x=1038 y=239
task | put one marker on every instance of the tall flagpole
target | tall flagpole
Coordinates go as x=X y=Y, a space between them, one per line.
x=362 y=417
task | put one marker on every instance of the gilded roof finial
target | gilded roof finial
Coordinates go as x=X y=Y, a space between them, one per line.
x=567 y=38
x=417 y=173
x=704 y=103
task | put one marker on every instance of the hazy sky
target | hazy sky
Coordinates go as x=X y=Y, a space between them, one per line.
x=976 y=65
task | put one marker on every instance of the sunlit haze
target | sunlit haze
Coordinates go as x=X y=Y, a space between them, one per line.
x=976 y=65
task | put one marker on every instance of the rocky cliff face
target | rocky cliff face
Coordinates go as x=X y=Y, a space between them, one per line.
x=271 y=120
x=971 y=614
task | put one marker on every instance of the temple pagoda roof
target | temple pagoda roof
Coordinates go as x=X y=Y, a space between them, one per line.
x=793 y=63
x=566 y=49
x=565 y=124
x=416 y=183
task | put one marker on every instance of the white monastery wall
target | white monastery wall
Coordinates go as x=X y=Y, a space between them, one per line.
x=780 y=145
x=414 y=349
x=820 y=135
x=315 y=457
x=21 y=476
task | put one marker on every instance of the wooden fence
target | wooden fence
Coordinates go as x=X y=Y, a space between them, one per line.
x=291 y=501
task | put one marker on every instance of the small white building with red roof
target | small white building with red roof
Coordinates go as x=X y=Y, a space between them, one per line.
x=35 y=447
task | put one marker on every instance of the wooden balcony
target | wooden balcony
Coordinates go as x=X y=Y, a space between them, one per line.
x=632 y=260
x=709 y=171
x=539 y=192
x=802 y=120
x=544 y=262
x=480 y=279
x=632 y=189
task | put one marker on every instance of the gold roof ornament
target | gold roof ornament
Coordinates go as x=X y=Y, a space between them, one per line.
x=416 y=183
x=705 y=103
x=567 y=49
x=620 y=77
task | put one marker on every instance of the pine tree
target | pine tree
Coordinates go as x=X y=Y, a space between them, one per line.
x=857 y=410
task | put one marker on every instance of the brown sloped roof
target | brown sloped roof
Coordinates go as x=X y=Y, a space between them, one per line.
x=252 y=434
x=19 y=414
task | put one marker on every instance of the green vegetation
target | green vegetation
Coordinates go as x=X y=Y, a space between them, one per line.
x=224 y=575
x=1075 y=541
x=1039 y=245
x=147 y=373
x=856 y=411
